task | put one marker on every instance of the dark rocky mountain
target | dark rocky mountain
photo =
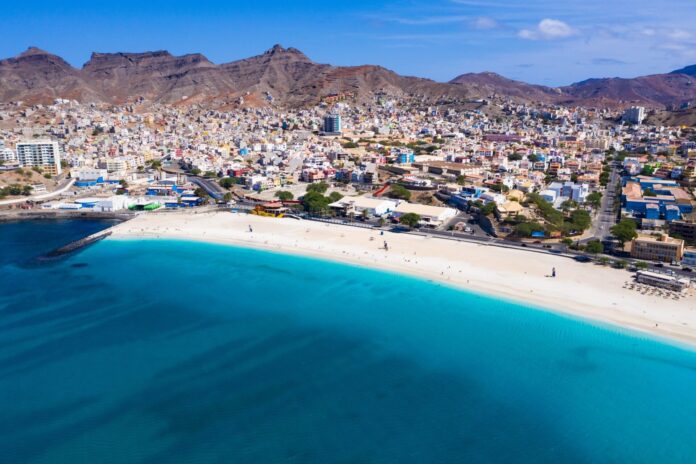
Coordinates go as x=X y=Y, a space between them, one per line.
x=285 y=76
x=489 y=83
x=36 y=75
x=156 y=76
x=656 y=90
x=688 y=70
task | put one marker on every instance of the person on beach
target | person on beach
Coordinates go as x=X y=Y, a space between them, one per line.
x=250 y=229
x=386 y=247
x=553 y=272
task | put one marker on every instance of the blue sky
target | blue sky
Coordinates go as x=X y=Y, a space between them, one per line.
x=539 y=41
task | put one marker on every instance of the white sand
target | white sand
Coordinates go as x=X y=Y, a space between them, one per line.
x=581 y=289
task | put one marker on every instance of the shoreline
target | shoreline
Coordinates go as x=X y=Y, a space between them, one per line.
x=580 y=290
x=13 y=215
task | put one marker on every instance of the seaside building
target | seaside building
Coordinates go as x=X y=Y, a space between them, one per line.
x=359 y=205
x=42 y=154
x=662 y=281
x=661 y=248
x=430 y=215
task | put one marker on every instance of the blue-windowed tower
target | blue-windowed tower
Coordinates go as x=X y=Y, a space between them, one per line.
x=332 y=124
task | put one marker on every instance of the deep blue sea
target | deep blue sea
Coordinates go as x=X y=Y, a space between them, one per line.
x=175 y=352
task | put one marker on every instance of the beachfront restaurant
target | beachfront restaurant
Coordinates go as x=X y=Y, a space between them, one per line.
x=359 y=205
x=662 y=280
x=433 y=216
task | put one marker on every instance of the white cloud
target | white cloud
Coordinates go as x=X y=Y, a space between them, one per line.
x=548 y=29
x=679 y=34
x=484 y=23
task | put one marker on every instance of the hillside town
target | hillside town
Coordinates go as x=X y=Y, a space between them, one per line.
x=595 y=181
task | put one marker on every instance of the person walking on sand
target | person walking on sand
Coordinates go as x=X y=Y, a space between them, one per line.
x=553 y=272
x=386 y=247
x=250 y=229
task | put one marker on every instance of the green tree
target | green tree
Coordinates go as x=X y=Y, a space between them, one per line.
x=195 y=171
x=624 y=231
x=525 y=229
x=594 y=199
x=123 y=183
x=568 y=205
x=227 y=197
x=334 y=197
x=410 y=219
x=488 y=209
x=315 y=202
x=594 y=247
x=399 y=192
x=227 y=182
x=318 y=187
x=200 y=192
x=284 y=195
x=580 y=220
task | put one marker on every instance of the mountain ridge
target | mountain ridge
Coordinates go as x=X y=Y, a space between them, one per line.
x=286 y=76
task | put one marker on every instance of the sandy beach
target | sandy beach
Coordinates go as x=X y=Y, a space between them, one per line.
x=584 y=290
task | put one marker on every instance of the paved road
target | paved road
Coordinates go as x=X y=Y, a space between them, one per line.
x=209 y=185
x=606 y=217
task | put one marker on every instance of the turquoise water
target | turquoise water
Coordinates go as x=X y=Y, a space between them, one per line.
x=174 y=352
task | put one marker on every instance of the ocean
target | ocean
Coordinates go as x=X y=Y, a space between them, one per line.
x=178 y=352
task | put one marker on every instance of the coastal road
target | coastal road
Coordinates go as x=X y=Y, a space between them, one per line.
x=65 y=186
x=209 y=185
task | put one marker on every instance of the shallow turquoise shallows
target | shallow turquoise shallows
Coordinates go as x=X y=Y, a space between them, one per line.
x=176 y=352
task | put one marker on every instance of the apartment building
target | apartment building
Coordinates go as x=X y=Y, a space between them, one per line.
x=661 y=248
x=684 y=229
x=43 y=154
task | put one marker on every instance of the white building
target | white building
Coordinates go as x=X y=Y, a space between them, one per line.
x=116 y=164
x=357 y=205
x=6 y=154
x=113 y=203
x=548 y=195
x=43 y=154
x=570 y=191
x=88 y=174
x=634 y=115
x=430 y=215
